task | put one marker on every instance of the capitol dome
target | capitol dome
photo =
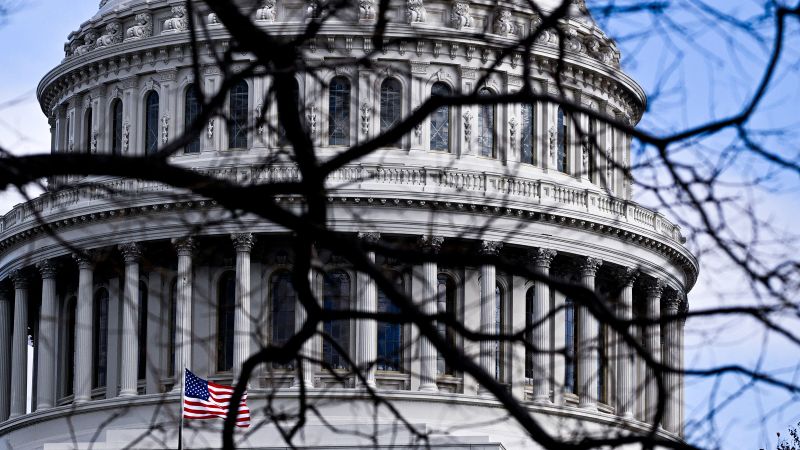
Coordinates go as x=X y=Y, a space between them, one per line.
x=121 y=283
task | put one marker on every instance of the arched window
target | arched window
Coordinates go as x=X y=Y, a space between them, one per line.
x=237 y=116
x=87 y=123
x=569 y=346
x=151 y=123
x=391 y=104
x=68 y=350
x=282 y=303
x=592 y=149
x=562 y=142
x=499 y=327
x=172 y=326
x=142 y=367
x=191 y=108
x=339 y=112
x=100 y=338
x=446 y=304
x=116 y=126
x=390 y=335
x=486 y=114
x=527 y=135
x=226 y=306
x=529 y=299
x=336 y=295
x=282 y=139
x=440 y=119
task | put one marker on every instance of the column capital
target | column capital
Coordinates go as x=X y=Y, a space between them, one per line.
x=243 y=242
x=430 y=243
x=491 y=248
x=47 y=268
x=589 y=265
x=654 y=287
x=19 y=279
x=84 y=259
x=671 y=301
x=683 y=309
x=542 y=257
x=131 y=252
x=369 y=237
x=184 y=246
x=628 y=275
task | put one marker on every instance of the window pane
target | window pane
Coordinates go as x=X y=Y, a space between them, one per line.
x=440 y=120
x=486 y=127
x=569 y=342
x=142 y=366
x=151 y=123
x=283 y=300
x=88 y=132
x=192 y=111
x=339 y=112
x=116 y=127
x=446 y=304
x=390 y=335
x=237 y=120
x=100 y=339
x=527 y=135
x=336 y=295
x=226 y=304
x=561 y=157
x=391 y=104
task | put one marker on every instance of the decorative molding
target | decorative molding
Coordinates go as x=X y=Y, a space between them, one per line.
x=504 y=22
x=543 y=257
x=178 y=23
x=365 y=118
x=491 y=248
x=47 y=268
x=366 y=10
x=431 y=244
x=85 y=259
x=184 y=246
x=267 y=12
x=19 y=279
x=112 y=35
x=143 y=28
x=460 y=17
x=628 y=276
x=415 y=12
x=589 y=266
x=654 y=287
x=164 y=128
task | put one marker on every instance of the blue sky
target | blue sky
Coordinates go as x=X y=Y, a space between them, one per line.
x=699 y=75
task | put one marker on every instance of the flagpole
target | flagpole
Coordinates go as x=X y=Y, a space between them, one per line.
x=183 y=392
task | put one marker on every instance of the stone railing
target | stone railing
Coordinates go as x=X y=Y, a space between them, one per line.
x=444 y=184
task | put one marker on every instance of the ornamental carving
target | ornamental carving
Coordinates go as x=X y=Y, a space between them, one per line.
x=84 y=259
x=212 y=19
x=503 y=22
x=460 y=17
x=468 y=128
x=243 y=242
x=512 y=131
x=543 y=257
x=112 y=36
x=267 y=12
x=552 y=141
x=369 y=237
x=19 y=278
x=491 y=248
x=415 y=11
x=671 y=302
x=143 y=28
x=311 y=117
x=184 y=246
x=178 y=22
x=126 y=135
x=210 y=129
x=93 y=142
x=629 y=275
x=89 y=41
x=312 y=9
x=366 y=9
x=164 y=128
x=365 y=116
x=585 y=155
x=654 y=287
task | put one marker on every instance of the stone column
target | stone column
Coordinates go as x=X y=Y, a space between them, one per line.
x=684 y=310
x=300 y=317
x=671 y=358
x=183 y=309
x=46 y=372
x=588 y=331
x=541 y=322
x=652 y=344
x=132 y=253
x=243 y=243
x=367 y=334
x=5 y=353
x=626 y=389
x=19 y=346
x=82 y=384
x=488 y=287
x=429 y=306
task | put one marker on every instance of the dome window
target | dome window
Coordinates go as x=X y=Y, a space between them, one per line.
x=339 y=112
x=440 y=119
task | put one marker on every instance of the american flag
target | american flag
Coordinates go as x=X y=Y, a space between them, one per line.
x=203 y=399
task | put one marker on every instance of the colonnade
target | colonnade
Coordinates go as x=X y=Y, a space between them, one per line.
x=543 y=383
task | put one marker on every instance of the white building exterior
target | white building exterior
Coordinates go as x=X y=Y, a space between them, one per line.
x=110 y=298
